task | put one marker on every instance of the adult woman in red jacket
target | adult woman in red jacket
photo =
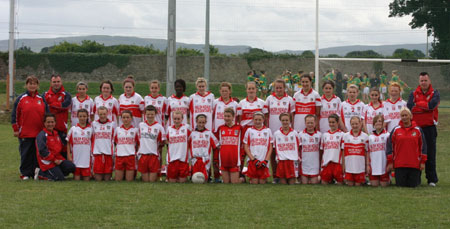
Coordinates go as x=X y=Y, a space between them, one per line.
x=49 y=146
x=27 y=121
x=406 y=151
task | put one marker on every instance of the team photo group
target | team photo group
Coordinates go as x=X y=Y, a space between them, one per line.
x=307 y=138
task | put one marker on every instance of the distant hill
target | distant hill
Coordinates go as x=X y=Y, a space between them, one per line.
x=37 y=44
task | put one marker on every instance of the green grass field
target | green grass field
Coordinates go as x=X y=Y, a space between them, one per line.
x=71 y=204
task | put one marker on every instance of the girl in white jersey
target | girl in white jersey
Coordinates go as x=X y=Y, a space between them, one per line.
x=375 y=107
x=102 y=148
x=178 y=102
x=201 y=103
x=127 y=141
x=330 y=145
x=81 y=101
x=79 y=146
x=331 y=104
x=393 y=106
x=307 y=101
x=310 y=152
x=351 y=107
x=258 y=146
x=377 y=154
x=157 y=100
x=106 y=99
x=177 y=149
x=132 y=101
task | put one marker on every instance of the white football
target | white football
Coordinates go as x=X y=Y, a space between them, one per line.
x=198 y=178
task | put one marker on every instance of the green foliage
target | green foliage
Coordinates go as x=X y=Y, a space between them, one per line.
x=434 y=15
x=188 y=52
x=308 y=54
x=32 y=60
x=133 y=49
x=88 y=46
x=408 y=54
x=24 y=49
x=363 y=54
x=73 y=62
x=333 y=56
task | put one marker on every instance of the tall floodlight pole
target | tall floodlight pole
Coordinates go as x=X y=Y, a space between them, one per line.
x=316 y=59
x=171 y=48
x=11 y=49
x=207 y=63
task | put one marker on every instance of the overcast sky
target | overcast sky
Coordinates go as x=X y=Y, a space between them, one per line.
x=270 y=24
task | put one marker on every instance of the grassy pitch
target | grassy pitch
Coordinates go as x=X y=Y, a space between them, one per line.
x=71 y=204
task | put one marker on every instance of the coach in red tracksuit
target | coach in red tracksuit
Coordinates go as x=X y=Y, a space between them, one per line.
x=49 y=146
x=27 y=121
x=59 y=101
x=406 y=151
x=423 y=103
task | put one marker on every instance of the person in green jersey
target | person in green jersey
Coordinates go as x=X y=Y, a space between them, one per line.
x=288 y=79
x=396 y=78
x=263 y=85
x=250 y=76
x=365 y=87
x=383 y=84
x=296 y=81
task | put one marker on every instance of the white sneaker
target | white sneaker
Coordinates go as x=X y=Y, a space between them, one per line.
x=24 y=177
x=432 y=184
x=36 y=173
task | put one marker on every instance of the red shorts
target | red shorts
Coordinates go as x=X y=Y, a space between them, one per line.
x=177 y=169
x=332 y=171
x=103 y=164
x=382 y=178
x=149 y=163
x=200 y=166
x=356 y=177
x=126 y=163
x=257 y=173
x=84 y=172
x=230 y=169
x=285 y=169
x=243 y=153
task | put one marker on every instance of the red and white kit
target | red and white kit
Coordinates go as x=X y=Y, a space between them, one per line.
x=331 y=146
x=201 y=143
x=393 y=112
x=305 y=104
x=355 y=149
x=218 y=109
x=377 y=152
x=276 y=106
x=286 y=147
x=150 y=137
x=78 y=104
x=160 y=103
x=102 y=146
x=111 y=103
x=230 y=147
x=126 y=140
x=310 y=155
x=201 y=104
x=178 y=143
x=246 y=109
x=370 y=112
x=348 y=110
x=329 y=107
x=258 y=141
x=177 y=104
x=80 y=141
x=135 y=104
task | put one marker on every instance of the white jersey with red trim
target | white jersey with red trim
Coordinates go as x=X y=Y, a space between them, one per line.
x=310 y=155
x=201 y=143
x=355 y=149
x=218 y=109
x=150 y=137
x=177 y=138
x=160 y=103
x=102 y=142
x=377 y=152
x=177 y=104
x=135 y=104
x=258 y=141
x=80 y=141
x=276 y=106
x=370 y=112
x=305 y=104
x=348 y=110
x=201 y=104
x=393 y=112
x=247 y=108
x=331 y=146
x=329 y=107
x=126 y=140
x=78 y=104
x=111 y=103
x=286 y=145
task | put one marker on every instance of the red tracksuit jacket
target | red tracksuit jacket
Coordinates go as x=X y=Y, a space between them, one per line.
x=59 y=104
x=48 y=149
x=406 y=147
x=424 y=107
x=28 y=115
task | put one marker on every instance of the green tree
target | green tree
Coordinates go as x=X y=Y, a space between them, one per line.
x=24 y=49
x=408 y=54
x=88 y=46
x=434 y=15
x=308 y=54
x=65 y=47
x=363 y=54
x=188 y=52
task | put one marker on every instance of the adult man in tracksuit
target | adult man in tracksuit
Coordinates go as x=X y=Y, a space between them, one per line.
x=59 y=102
x=423 y=103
